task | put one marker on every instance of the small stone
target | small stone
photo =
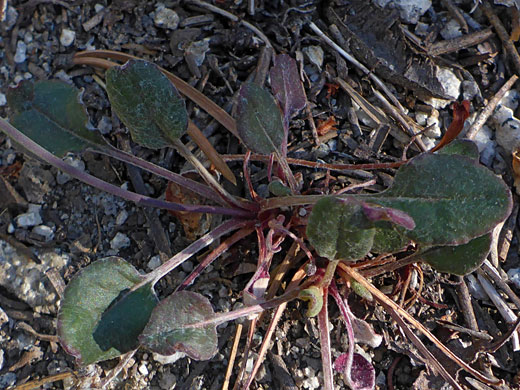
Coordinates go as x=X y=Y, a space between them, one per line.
x=187 y=266
x=167 y=381
x=507 y=129
x=105 y=125
x=450 y=82
x=486 y=145
x=6 y=380
x=45 y=231
x=11 y=17
x=514 y=276
x=1 y=358
x=28 y=219
x=76 y=162
x=154 y=262
x=21 y=52
x=166 y=18
x=121 y=217
x=451 y=30
x=411 y=10
x=10 y=228
x=470 y=89
x=3 y=319
x=120 y=241
x=3 y=100
x=314 y=55
x=142 y=369
x=67 y=37
x=98 y=7
x=170 y=359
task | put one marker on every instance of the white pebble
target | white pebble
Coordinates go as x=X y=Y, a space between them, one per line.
x=120 y=241
x=121 y=217
x=166 y=18
x=21 y=52
x=143 y=370
x=30 y=218
x=3 y=100
x=44 y=231
x=411 y=10
x=67 y=37
x=514 y=276
x=154 y=262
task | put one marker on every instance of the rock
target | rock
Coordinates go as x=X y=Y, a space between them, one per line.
x=154 y=262
x=187 y=266
x=514 y=276
x=143 y=369
x=411 y=10
x=3 y=100
x=166 y=18
x=451 y=30
x=470 y=89
x=11 y=17
x=433 y=120
x=105 y=125
x=507 y=129
x=121 y=217
x=314 y=55
x=31 y=218
x=67 y=37
x=74 y=161
x=35 y=181
x=120 y=241
x=25 y=279
x=7 y=380
x=486 y=145
x=21 y=52
x=44 y=231
x=450 y=82
x=167 y=381
x=3 y=320
x=170 y=359
x=1 y=359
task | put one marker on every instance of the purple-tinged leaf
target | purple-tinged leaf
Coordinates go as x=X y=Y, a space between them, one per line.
x=259 y=122
x=52 y=115
x=378 y=213
x=364 y=333
x=362 y=375
x=147 y=103
x=287 y=86
x=314 y=296
x=167 y=331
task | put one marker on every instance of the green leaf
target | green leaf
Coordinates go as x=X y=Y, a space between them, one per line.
x=460 y=259
x=462 y=147
x=388 y=240
x=86 y=298
x=451 y=198
x=51 y=114
x=168 y=332
x=147 y=103
x=124 y=320
x=339 y=230
x=314 y=296
x=277 y=188
x=259 y=122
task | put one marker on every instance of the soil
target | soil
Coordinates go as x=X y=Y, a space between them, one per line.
x=80 y=224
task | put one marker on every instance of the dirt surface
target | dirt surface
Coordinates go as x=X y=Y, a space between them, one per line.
x=52 y=226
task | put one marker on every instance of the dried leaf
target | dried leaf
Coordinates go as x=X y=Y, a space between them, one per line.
x=194 y=224
x=460 y=114
x=327 y=125
x=516 y=169
x=287 y=86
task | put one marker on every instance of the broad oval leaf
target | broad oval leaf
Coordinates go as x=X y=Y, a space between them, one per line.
x=451 y=198
x=168 y=330
x=147 y=103
x=339 y=230
x=460 y=259
x=87 y=296
x=51 y=113
x=124 y=320
x=259 y=122
x=388 y=240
